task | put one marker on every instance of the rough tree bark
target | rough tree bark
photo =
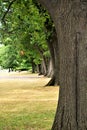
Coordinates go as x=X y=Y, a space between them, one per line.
x=43 y=67
x=50 y=68
x=70 y=19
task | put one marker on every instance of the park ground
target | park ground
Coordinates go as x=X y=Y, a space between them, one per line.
x=25 y=102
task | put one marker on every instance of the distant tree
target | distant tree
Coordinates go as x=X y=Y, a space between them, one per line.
x=8 y=57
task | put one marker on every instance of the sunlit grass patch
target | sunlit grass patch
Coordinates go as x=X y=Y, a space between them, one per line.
x=27 y=104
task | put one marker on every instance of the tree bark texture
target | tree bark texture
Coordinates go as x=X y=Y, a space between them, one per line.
x=70 y=19
x=50 y=68
x=44 y=64
x=53 y=47
x=33 y=67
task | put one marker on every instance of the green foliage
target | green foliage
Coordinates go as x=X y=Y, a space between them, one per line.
x=11 y=57
x=8 y=57
x=28 y=26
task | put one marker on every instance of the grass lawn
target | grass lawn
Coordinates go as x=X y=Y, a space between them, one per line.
x=25 y=104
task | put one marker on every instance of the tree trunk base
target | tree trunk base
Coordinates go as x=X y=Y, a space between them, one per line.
x=51 y=82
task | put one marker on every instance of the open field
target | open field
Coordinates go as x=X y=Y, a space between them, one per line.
x=25 y=104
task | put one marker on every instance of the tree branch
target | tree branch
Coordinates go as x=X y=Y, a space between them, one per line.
x=9 y=6
x=11 y=31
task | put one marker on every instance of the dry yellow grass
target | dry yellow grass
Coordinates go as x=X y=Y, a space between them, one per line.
x=25 y=96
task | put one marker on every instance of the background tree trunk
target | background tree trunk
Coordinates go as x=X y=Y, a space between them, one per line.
x=50 y=68
x=54 y=51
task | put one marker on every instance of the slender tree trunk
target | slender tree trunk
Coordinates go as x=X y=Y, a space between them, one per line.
x=54 y=51
x=56 y=57
x=50 y=69
x=44 y=63
x=33 y=67
x=9 y=70
x=51 y=48
x=39 y=69
x=44 y=69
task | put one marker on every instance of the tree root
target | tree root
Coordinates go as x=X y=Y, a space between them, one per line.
x=51 y=82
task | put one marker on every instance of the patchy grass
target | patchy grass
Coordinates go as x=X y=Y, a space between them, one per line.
x=25 y=104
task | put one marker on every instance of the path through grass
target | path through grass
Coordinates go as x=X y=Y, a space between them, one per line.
x=25 y=104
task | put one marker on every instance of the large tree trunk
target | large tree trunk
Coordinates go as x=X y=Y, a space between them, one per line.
x=70 y=18
x=72 y=34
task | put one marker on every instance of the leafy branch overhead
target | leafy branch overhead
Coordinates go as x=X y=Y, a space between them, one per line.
x=8 y=9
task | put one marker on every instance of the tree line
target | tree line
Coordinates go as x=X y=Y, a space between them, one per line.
x=67 y=43
x=27 y=32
